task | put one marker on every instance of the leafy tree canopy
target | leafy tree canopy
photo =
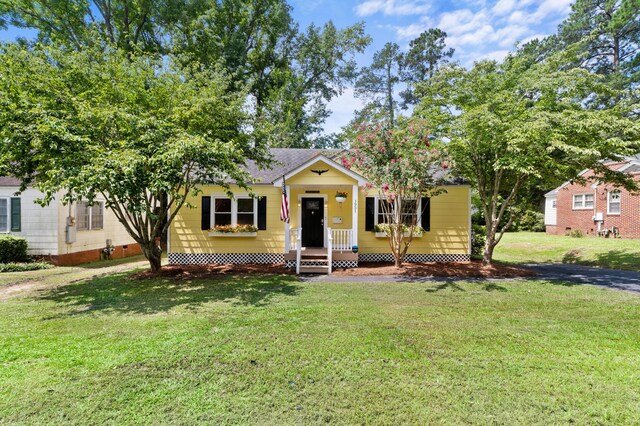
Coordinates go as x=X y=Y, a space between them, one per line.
x=291 y=74
x=136 y=129
x=508 y=125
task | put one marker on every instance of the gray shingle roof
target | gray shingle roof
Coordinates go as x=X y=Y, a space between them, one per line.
x=285 y=160
x=9 y=181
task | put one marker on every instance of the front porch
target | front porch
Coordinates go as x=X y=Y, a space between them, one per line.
x=341 y=252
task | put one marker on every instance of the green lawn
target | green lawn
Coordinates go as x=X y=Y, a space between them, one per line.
x=271 y=350
x=537 y=247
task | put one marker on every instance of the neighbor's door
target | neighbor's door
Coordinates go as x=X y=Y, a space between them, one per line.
x=313 y=222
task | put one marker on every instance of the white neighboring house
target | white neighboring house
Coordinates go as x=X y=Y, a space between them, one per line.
x=551 y=208
x=65 y=235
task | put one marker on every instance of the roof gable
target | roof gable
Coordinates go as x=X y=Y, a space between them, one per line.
x=318 y=161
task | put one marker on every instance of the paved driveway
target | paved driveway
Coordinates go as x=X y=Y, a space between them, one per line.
x=610 y=278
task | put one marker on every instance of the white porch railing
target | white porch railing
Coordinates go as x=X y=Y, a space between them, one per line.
x=298 y=250
x=294 y=233
x=329 y=251
x=342 y=239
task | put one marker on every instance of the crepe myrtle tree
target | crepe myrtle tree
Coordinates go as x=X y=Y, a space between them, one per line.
x=401 y=164
x=136 y=130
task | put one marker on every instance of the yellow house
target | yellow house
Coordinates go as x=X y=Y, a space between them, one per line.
x=323 y=228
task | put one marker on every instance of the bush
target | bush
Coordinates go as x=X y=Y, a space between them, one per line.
x=21 y=267
x=531 y=220
x=13 y=249
x=575 y=233
x=478 y=239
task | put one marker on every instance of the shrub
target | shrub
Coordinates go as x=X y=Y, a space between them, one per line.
x=575 y=233
x=531 y=220
x=21 y=267
x=13 y=249
x=478 y=239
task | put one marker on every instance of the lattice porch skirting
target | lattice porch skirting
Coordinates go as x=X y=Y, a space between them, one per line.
x=388 y=257
x=206 y=258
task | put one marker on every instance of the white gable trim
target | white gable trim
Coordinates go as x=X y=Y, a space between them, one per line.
x=321 y=158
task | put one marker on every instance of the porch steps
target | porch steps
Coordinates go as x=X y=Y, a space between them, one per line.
x=314 y=263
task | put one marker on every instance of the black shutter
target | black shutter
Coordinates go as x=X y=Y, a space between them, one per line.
x=426 y=213
x=262 y=213
x=16 y=215
x=206 y=213
x=370 y=210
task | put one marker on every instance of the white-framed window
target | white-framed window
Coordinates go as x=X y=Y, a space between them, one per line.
x=238 y=211
x=89 y=216
x=383 y=214
x=582 y=201
x=4 y=214
x=613 y=202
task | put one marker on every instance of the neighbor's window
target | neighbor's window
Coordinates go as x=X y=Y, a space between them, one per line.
x=241 y=211
x=4 y=215
x=583 y=201
x=613 y=202
x=89 y=216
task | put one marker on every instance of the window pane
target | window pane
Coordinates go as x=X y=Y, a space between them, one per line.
x=384 y=211
x=97 y=216
x=4 y=215
x=245 y=205
x=222 y=219
x=614 y=208
x=245 y=219
x=82 y=215
x=223 y=205
x=577 y=201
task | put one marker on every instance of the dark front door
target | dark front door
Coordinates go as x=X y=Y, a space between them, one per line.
x=313 y=222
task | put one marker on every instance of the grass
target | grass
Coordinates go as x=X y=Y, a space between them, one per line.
x=271 y=350
x=537 y=247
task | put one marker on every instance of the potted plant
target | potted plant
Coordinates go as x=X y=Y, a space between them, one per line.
x=341 y=196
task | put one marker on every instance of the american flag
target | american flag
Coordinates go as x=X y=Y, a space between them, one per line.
x=284 y=207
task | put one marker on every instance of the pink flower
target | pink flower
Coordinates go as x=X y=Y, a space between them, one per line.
x=393 y=160
x=385 y=187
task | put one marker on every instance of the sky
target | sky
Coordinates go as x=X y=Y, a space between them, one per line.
x=476 y=29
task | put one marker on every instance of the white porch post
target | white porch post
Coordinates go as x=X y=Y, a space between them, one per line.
x=287 y=225
x=354 y=219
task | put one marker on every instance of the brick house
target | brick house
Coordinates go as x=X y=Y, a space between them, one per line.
x=595 y=208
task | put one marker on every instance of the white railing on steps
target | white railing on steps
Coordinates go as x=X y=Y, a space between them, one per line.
x=298 y=250
x=329 y=251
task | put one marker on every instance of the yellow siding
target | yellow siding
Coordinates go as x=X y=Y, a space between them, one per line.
x=334 y=209
x=449 y=226
x=449 y=223
x=331 y=177
x=185 y=235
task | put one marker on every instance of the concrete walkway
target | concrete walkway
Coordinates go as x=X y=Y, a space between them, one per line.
x=609 y=278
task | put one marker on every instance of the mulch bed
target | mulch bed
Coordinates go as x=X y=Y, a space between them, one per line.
x=473 y=269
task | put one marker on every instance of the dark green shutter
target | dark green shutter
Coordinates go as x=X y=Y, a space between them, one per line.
x=16 y=215
x=370 y=210
x=206 y=213
x=426 y=214
x=262 y=213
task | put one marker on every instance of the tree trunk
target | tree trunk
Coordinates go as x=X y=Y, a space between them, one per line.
x=489 y=245
x=153 y=253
